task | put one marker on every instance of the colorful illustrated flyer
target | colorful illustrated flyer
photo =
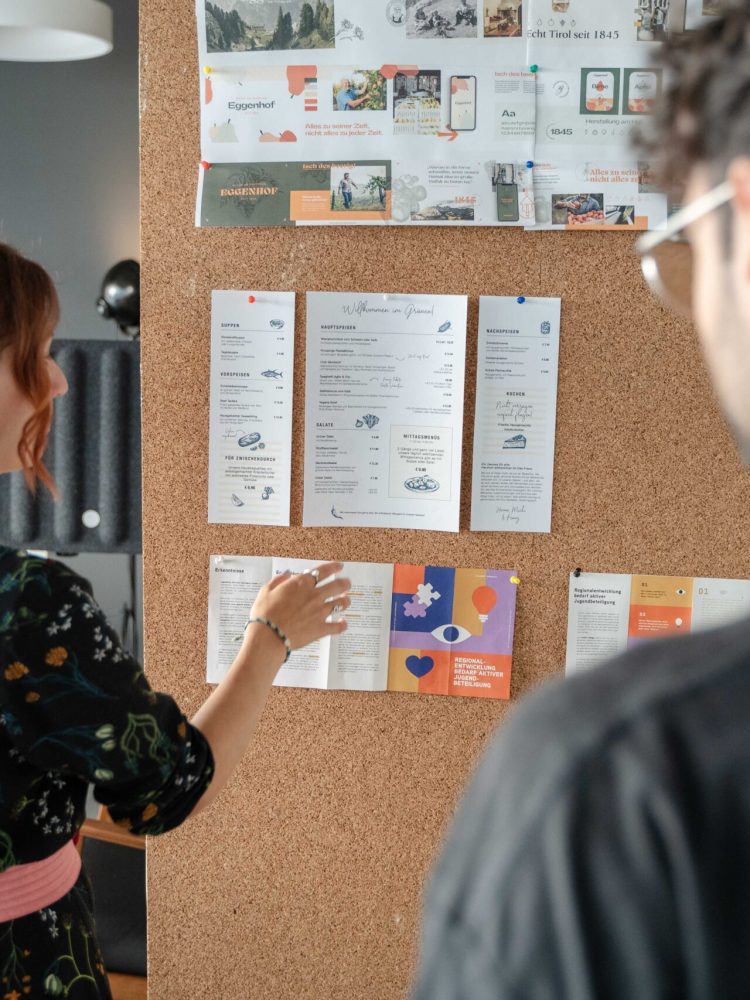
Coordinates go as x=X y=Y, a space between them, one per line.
x=323 y=113
x=419 y=629
x=611 y=612
x=516 y=410
x=250 y=415
x=422 y=112
x=384 y=410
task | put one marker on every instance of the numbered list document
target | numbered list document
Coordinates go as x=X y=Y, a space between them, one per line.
x=611 y=612
x=250 y=422
x=516 y=412
x=384 y=410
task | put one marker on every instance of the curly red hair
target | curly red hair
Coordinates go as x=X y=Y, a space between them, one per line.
x=29 y=311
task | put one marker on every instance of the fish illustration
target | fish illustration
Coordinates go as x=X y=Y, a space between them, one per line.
x=248 y=439
x=272 y=373
x=422 y=484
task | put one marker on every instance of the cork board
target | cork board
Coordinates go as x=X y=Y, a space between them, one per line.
x=304 y=881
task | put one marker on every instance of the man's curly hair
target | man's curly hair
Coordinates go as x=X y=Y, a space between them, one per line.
x=703 y=118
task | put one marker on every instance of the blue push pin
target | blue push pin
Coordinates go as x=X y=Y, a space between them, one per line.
x=521 y=299
x=530 y=164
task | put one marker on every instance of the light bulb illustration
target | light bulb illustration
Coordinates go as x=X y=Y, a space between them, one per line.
x=484 y=600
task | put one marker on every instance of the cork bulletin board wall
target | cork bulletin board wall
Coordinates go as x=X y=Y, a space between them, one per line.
x=304 y=881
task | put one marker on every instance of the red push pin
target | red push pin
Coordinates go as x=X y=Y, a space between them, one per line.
x=251 y=299
x=206 y=165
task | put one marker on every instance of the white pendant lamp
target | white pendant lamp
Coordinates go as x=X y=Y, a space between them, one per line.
x=54 y=30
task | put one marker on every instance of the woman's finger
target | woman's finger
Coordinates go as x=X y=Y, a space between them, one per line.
x=275 y=581
x=324 y=570
x=334 y=628
x=336 y=606
x=334 y=589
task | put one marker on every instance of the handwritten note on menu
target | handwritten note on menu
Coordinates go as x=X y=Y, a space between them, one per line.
x=384 y=410
x=250 y=423
x=516 y=409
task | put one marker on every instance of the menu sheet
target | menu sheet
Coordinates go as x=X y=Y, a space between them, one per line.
x=419 y=629
x=384 y=410
x=250 y=411
x=611 y=612
x=516 y=410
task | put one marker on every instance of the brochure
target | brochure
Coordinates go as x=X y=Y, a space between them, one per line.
x=611 y=612
x=418 y=629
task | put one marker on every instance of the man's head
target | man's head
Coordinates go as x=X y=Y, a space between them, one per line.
x=701 y=137
x=346 y=175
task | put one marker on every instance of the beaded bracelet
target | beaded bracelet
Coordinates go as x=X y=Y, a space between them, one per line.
x=275 y=629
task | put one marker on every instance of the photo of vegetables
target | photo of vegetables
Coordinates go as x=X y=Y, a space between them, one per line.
x=580 y=209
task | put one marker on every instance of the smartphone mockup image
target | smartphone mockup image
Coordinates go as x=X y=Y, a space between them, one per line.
x=463 y=111
x=507 y=193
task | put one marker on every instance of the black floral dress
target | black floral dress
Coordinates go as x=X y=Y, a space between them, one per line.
x=76 y=709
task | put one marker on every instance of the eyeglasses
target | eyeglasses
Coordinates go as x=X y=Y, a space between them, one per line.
x=666 y=254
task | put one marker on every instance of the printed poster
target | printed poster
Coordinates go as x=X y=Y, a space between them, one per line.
x=611 y=612
x=415 y=629
x=425 y=112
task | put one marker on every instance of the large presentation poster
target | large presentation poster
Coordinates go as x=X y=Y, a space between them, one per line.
x=430 y=112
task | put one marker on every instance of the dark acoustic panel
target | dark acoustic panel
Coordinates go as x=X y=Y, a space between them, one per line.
x=94 y=453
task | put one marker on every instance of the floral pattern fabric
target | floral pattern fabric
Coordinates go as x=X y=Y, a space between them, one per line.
x=76 y=709
x=53 y=952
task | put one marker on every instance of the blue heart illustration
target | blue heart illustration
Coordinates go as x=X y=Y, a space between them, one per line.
x=419 y=665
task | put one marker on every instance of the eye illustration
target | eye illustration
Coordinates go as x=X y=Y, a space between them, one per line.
x=451 y=634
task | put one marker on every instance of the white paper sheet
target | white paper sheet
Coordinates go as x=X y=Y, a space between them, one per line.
x=250 y=424
x=384 y=410
x=516 y=408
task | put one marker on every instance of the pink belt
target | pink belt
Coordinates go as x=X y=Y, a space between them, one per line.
x=30 y=887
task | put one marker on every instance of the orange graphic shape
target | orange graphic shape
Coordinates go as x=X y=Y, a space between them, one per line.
x=308 y=206
x=286 y=136
x=649 y=621
x=296 y=76
x=480 y=675
x=389 y=70
x=209 y=95
x=407 y=578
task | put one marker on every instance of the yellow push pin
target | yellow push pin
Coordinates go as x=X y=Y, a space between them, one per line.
x=515 y=579
x=208 y=69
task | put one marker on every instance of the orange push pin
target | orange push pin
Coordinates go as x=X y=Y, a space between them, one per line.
x=251 y=299
x=205 y=164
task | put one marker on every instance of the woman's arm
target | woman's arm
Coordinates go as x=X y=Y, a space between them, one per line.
x=229 y=717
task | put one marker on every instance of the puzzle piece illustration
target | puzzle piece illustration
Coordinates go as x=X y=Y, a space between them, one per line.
x=426 y=595
x=415 y=609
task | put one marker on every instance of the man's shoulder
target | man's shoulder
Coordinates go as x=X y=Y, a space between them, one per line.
x=663 y=686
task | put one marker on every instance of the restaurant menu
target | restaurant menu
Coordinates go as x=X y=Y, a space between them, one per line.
x=611 y=612
x=419 y=629
x=430 y=112
x=516 y=409
x=250 y=412
x=384 y=403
